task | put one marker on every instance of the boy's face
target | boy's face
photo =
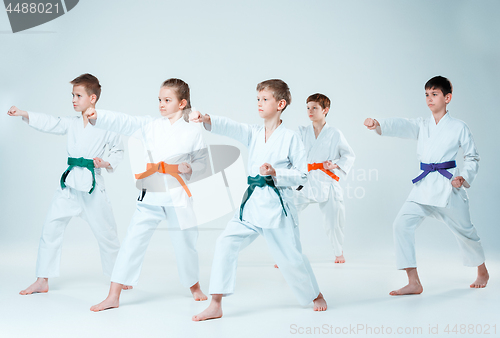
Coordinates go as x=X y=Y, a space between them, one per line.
x=315 y=112
x=82 y=100
x=436 y=101
x=267 y=104
x=169 y=104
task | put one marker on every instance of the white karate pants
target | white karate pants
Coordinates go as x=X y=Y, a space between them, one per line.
x=455 y=215
x=95 y=209
x=284 y=244
x=144 y=222
x=333 y=211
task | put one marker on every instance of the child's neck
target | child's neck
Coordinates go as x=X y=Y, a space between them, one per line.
x=439 y=115
x=175 y=117
x=318 y=126
x=271 y=124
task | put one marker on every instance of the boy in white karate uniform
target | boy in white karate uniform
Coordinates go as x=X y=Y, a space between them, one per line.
x=276 y=162
x=439 y=190
x=175 y=152
x=81 y=190
x=329 y=157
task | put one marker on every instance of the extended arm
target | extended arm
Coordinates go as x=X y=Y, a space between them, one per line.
x=42 y=122
x=117 y=122
x=223 y=126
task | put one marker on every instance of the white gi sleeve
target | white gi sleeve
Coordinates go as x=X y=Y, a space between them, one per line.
x=120 y=123
x=116 y=151
x=48 y=124
x=239 y=131
x=471 y=157
x=346 y=160
x=400 y=127
x=296 y=174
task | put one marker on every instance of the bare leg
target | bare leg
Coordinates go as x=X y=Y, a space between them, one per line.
x=113 y=299
x=340 y=259
x=127 y=287
x=482 y=277
x=197 y=293
x=213 y=311
x=41 y=285
x=319 y=303
x=413 y=288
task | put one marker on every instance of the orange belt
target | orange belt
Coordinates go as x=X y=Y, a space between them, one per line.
x=319 y=166
x=164 y=168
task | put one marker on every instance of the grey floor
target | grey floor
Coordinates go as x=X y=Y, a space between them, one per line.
x=263 y=305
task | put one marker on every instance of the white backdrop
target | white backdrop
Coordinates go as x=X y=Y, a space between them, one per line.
x=371 y=58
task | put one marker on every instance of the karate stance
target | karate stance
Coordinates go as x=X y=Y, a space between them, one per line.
x=329 y=157
x=276 y=162
x=174 y=151
x=438 y=191
x=81 y=190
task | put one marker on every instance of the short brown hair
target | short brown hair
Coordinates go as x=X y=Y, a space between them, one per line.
x=90 y=83
x=279 y=89
x=181 y=89
x=321 y=99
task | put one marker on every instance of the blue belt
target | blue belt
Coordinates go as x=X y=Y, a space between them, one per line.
x=439 y=167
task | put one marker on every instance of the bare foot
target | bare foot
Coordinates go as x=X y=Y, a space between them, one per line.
x=340 y=259
x=276 y=266
x=410 y=289
x=319 y=303
x=127 y=287
x=41 y=285
x=213 y=311
x=482 y=277
x=108 y=303
x=113 y=299
x=198 y=295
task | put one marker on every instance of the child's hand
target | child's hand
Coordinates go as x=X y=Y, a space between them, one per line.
x=371 y=124
x=197 y=117
x=185 y=168
x=90 y=113
x=329 y=165
x=100 y=163
x=14 y=111
x=457 y=182
x=266 y=169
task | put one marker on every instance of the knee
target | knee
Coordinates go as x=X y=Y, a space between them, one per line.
x=224 y=244
x=400 y=225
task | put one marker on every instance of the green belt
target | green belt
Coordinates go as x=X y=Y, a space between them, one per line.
x=79 y=162
x=259 y=181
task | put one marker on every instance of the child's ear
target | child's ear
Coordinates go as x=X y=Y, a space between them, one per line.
x=183 y=104
x=447 y=98
x=281 y=105
x=93 y=98
x=326 y=110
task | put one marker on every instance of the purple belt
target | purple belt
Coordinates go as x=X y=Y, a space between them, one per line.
x=440 y=167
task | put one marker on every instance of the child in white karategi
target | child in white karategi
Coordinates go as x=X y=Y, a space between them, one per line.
x=175 y=152
x=329 y=157
x=438 y=191
x=81 y=189
x=276 y=162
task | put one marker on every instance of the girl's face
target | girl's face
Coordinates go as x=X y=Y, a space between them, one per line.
x=169 y=104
